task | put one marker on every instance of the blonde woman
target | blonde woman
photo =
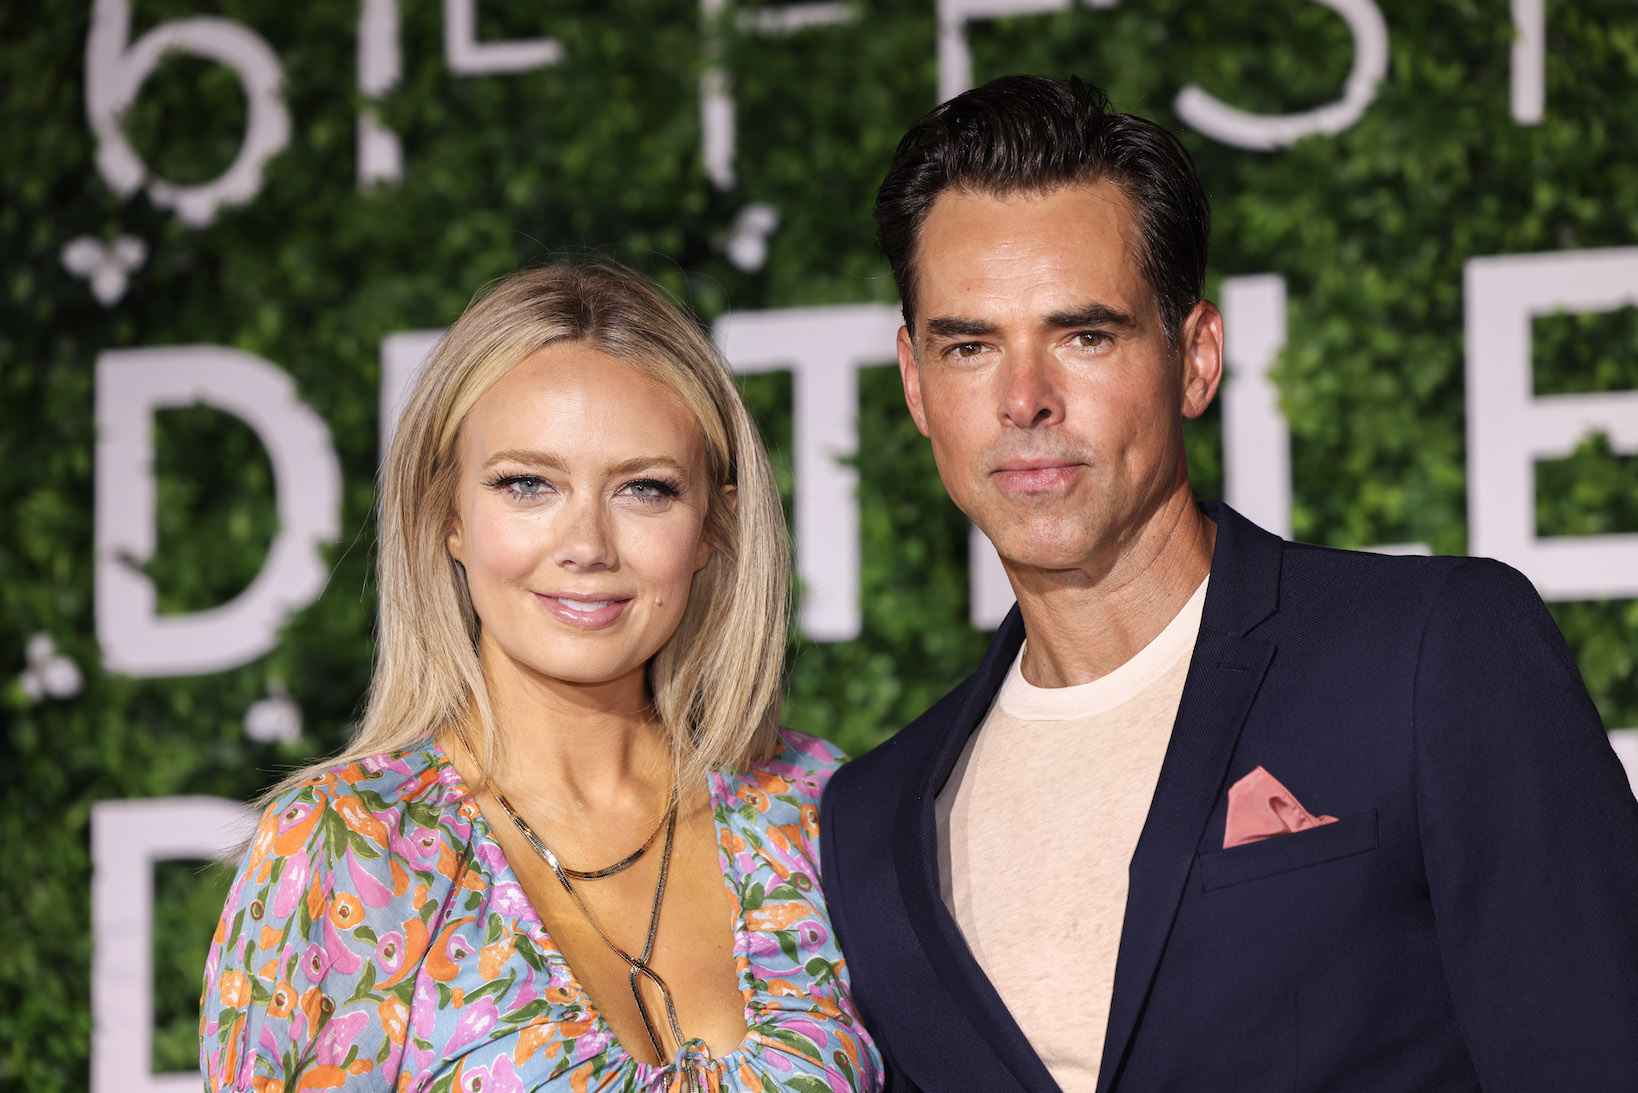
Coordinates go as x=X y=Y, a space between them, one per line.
x=570 y=846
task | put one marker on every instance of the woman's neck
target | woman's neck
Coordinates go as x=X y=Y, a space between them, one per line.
x=573 y=749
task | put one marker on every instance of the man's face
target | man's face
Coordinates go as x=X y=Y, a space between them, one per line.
x=1041 y=373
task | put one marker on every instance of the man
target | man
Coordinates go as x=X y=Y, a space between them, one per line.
x=1217 y=811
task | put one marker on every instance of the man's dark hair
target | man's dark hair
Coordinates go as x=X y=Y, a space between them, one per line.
x=1030 y=134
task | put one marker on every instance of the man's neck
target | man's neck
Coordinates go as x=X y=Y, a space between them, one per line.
x=1083 y=624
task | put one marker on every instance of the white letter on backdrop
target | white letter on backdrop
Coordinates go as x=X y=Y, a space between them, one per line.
x=380 y=158
x=131 y=385
x=717 y=113
x=1529 y=57
x=1256 y=441
x=401 y=358
x=115 y=70
x=466 y=56
x=955 y=59
x=1509 y=428
x=823 y=347
x=127 y=838
x=1266 y=132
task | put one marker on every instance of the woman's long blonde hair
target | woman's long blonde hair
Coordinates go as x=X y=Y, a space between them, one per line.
x=715 y=684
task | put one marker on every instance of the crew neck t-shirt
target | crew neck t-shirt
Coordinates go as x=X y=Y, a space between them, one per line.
x=1037 y=826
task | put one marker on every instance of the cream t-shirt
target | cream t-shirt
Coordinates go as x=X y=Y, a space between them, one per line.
x=1037 y=826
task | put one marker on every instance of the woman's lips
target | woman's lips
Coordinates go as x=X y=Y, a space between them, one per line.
x=1045 y=478
x=587 y=614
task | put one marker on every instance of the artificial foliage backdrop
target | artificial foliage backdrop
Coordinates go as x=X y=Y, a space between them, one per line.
x=602 y=151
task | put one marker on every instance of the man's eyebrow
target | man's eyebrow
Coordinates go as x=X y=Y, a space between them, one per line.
x=1090 y=315
x=953 y=326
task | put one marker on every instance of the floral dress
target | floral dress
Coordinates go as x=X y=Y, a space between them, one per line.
x=376 y=937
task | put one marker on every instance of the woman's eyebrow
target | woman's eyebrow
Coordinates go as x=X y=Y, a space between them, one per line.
x=530 y=456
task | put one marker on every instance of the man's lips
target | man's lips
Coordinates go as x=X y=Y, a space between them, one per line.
x=1027 y=476
x=583 y=610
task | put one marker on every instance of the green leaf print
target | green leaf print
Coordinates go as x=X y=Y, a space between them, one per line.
x=752 y=898
x=803 y=1083
x=787 y=944
x=798 y=1043
x=366 y=983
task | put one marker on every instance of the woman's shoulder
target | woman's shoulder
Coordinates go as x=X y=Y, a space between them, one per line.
x=793 y=776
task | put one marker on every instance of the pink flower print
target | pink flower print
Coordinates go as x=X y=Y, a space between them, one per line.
x=418 y=842
x=491 y=855
x=370 y=890
x=293 y=814
x=508 y=899
x=424 y=1009
x=375 y=764
x=475 y=1080
x=315 y=962
x=764 y=945
x=476 y=1020
x=338 y=1035
x=389 y=953
x=292 y=886
x=342 y=958
x=502 y=1077
x=810 y=935
x=591 y=1044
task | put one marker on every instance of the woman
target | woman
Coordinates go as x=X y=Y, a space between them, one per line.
x=570 y=843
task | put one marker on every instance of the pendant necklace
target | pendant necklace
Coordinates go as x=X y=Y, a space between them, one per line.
x=639 y=964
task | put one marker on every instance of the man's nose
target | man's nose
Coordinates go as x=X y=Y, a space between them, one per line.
x=1029 y=394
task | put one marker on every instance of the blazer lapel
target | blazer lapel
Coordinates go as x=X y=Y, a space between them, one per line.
x=1224 y=675
x=917 y=858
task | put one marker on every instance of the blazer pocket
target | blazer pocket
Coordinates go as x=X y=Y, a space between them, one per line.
x=1347 y=837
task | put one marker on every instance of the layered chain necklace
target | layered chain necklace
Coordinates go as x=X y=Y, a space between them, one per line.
x=639 y=964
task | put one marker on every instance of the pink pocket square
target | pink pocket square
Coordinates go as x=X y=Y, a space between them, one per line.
x=1260 y=808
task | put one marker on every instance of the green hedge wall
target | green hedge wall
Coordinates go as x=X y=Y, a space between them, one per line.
x=1370 y=229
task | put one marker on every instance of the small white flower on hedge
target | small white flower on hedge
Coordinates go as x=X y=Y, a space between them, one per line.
x=273 y=719
x=748 y=236
x=48 y=672
x=107 y=266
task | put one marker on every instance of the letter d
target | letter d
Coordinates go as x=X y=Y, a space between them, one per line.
x=131 y=385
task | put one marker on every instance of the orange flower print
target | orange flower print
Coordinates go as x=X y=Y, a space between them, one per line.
x=321 y=1077
x=266 y=1085
x=296 y=823
x=493 y=957
x=755 y=797
x=777 y=916
x=314 y=1006
x=233 y=988
x=531 y=1038
x=446 y=954
x=358 y=818
x=283 y=1000
x=785 y=988
x=346 y=910
x=394 y=1017
x=810 y=820
x=748 y=1078
x=414 y=946
x=772 y=784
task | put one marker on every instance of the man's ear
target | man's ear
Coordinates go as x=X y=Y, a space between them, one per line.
x=1202 y=346
x=910 y=376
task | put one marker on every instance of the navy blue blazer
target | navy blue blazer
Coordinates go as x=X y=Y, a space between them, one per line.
x=1470 y=922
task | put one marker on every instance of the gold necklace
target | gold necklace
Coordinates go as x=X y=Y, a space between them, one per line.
x=639 y=965
x=578 y=874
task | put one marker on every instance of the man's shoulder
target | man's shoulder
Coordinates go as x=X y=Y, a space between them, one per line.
x=1361 y=584
x=877 y=779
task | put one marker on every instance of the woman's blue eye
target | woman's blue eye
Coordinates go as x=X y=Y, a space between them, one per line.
x=649 y=489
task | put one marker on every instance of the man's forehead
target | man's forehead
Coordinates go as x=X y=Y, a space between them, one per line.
x=989 y=258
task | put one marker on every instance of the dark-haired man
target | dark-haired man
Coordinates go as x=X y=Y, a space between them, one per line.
x=1217 y=811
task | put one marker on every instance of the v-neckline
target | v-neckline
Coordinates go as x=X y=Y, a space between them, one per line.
x=529 y=917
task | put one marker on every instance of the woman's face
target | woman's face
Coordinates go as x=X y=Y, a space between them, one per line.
x=579 y=517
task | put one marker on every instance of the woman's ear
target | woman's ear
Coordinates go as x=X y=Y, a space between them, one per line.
x=702 y=553
x=454 y=541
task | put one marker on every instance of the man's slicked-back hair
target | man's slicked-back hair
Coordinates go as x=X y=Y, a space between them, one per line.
x=1032 y=135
